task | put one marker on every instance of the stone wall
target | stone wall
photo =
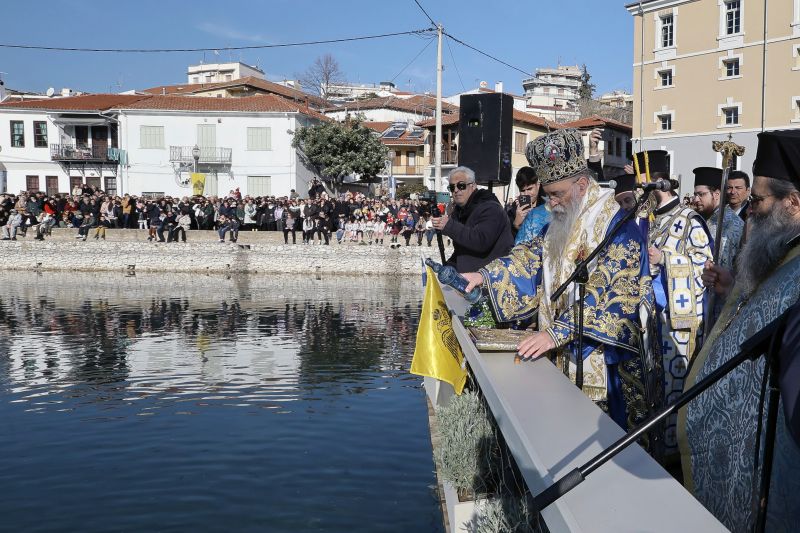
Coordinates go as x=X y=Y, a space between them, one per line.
x=214 y=257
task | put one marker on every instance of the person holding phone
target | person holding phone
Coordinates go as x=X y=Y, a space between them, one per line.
x=528 y=214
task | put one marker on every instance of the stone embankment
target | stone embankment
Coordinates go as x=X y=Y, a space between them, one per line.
x=254 y=252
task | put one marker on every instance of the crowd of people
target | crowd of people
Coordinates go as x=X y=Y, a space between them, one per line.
x=675 y=289
x=320 y=218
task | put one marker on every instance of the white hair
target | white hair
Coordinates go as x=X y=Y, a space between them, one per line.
x=468 y=172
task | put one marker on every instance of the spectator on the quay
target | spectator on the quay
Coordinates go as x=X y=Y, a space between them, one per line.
x=100 y=228
x=88 y=223
x=166 y=224
x=369 y=227
x=228 y=225
x=182 y=224
x=249 y=219
x=308 y=230
x=323 y=228
x=127 y=208
x=280 y=216
x=419 y=228
x=46 y=223
x=11 y=226
x=408 y=228
x=341 y=228
x=380 y=230
x=141 y=215
x=289 y=226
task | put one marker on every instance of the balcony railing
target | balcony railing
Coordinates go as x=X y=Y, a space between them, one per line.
x=406 y=170
x=208 y=155
x=71 y=152
x=449 y=157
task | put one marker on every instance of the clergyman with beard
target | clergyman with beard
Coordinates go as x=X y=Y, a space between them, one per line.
x=478 y=225
x=718 y=431
x=520 y=285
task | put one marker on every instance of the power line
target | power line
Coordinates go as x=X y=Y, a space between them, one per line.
x=426 y=13
x=456 y=66
x=459 y=41
x=253 y=47
x=415 y=58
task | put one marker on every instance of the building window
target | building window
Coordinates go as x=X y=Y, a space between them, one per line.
x=667 y=31
x=195 y=79
x=51 y=185
x=731 y=116
x=18 y=134
x=39 y=134
x=228 y=77
x=259 y=139
x=666 y=122
x=32 y=183
x=111 y=186
x=520 y=141
x=411 y=158
x=666 y=78
x=618 y=149
x=731 y=67
x=151 y=137
x=733 y=17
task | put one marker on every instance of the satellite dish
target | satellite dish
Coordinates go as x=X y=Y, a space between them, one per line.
x=50 y=92
x=484 y=85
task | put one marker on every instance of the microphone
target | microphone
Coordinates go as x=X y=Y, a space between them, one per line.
x=660 y=185
x=610 y=184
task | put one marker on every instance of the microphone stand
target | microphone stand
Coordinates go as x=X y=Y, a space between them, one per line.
x=580 y=276
x=766 y=341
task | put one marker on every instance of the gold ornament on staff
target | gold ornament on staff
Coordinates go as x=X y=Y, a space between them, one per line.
x=728 y=149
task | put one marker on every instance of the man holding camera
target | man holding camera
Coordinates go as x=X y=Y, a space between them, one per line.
x=478 y=225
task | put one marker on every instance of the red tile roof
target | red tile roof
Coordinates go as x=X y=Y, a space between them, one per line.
x=447 y=120
x=262 y=103
x=86 y=102
x=599 y=122
x=380 y=127
x=246 y=82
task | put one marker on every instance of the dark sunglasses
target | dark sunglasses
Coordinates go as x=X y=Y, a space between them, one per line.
x=462 y=185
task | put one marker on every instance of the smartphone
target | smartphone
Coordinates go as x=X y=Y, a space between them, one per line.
x=524 y=200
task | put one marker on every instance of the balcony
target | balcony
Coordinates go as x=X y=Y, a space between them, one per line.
x=406 y=170
x=71 y=152
x=208 y=155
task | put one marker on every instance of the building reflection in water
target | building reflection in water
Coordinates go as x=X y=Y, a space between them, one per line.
x=250 y=340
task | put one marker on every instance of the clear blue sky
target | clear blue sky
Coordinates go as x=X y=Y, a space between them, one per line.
x=526 y=34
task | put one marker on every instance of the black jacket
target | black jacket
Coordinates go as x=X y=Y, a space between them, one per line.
x=480 y=232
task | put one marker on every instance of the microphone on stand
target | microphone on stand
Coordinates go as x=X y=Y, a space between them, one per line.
x=660 y=185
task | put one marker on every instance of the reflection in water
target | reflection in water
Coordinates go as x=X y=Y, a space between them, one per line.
x=284 y=401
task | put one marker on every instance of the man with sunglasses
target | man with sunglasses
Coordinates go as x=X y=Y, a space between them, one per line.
x=478 y=225
x=520 y=285
x=719 y=430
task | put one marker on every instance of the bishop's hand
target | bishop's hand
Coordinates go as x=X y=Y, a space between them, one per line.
x=535 y=345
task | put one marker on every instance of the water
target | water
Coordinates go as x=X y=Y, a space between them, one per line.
x=198 y=403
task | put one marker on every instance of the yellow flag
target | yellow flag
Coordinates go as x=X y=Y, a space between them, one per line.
x=198 y=183
x=438 y=353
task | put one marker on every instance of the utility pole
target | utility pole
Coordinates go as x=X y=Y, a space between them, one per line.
x=438 y=145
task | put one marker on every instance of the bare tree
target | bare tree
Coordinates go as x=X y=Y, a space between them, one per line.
x=324 y=72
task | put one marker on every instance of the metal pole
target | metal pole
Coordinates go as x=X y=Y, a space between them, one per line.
x=438 y=146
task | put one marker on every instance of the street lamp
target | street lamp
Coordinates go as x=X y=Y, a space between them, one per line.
x=391 y=154
x=196 y=156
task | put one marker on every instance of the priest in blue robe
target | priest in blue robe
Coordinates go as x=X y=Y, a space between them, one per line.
x=520 y=285
x=718 y=431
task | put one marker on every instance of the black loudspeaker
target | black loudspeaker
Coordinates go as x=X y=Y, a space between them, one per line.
x=485 y=136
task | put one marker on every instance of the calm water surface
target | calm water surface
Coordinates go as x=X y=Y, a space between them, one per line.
x=196 y=403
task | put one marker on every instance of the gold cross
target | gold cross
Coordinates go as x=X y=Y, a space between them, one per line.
x=728 y=149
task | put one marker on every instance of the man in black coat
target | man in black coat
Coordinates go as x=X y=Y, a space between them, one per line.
x=478 y=226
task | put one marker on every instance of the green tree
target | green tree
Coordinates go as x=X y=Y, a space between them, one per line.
x=338 y=149
x=586 y=91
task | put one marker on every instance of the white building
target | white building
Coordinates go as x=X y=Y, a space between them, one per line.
x=339 y=93
x=520 y=102
x=144 y=144
x=553 y=93
x=391 y=109
x=219 y=72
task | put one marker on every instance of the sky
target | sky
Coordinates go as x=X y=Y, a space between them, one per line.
x=526 y=34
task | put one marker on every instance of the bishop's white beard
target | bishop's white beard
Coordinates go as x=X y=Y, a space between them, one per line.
x=564 y=218
x=765 y=248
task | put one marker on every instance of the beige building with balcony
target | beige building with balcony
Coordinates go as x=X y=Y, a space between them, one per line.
x=702 y=71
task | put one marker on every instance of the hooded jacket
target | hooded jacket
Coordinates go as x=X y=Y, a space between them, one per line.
x=480 y=232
